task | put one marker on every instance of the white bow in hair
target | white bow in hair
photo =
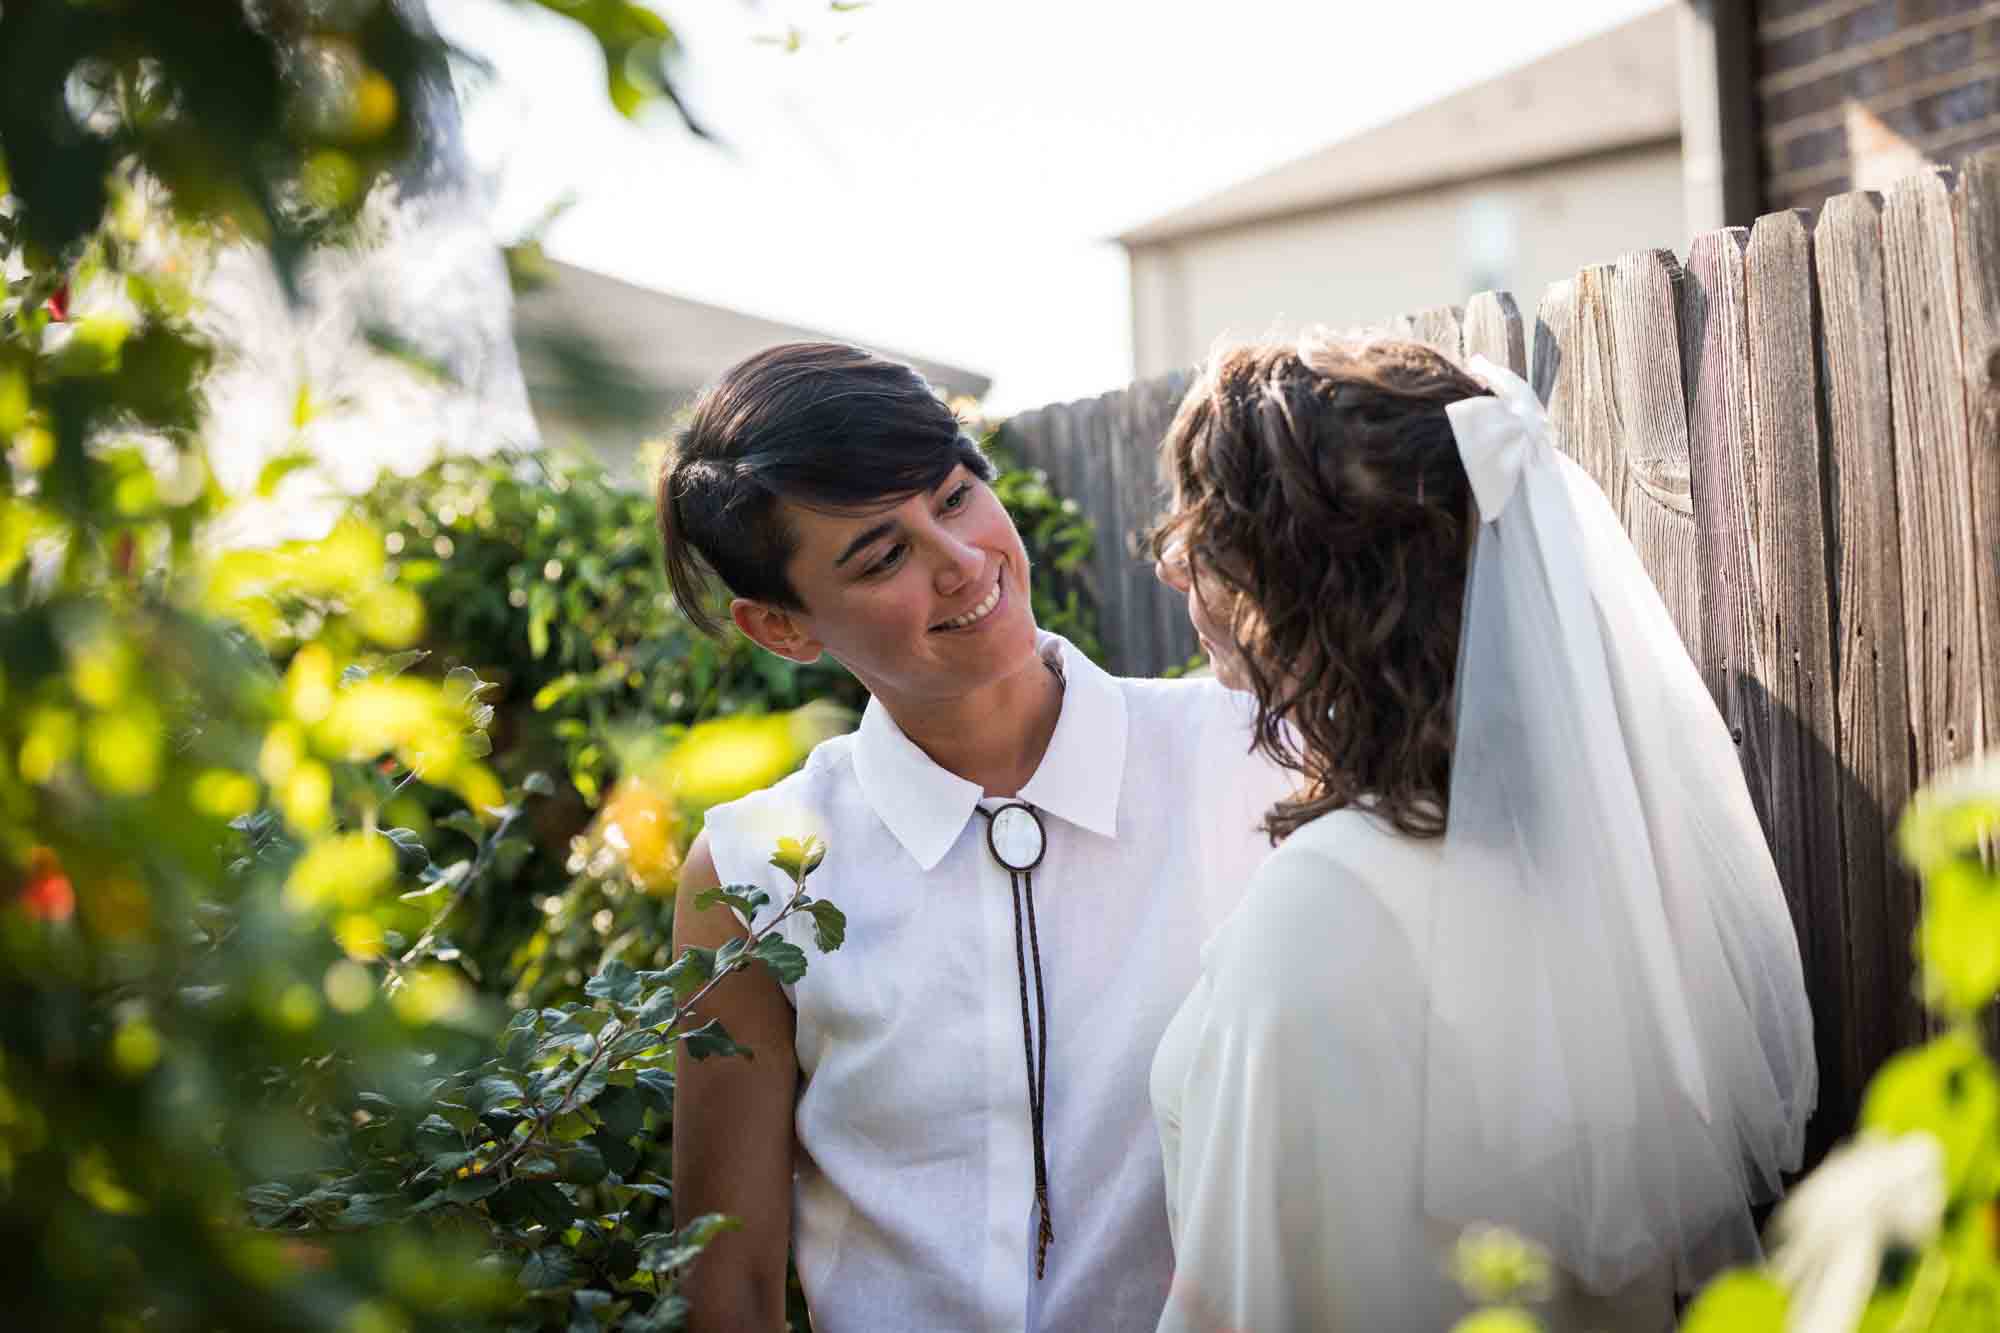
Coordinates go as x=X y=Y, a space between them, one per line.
x=1498 y=436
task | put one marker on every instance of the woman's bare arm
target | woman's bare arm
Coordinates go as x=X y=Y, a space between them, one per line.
x=733 y=1127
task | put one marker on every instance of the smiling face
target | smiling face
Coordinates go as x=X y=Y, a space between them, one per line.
x=923 y=599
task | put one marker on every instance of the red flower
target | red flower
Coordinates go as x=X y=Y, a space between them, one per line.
x=47 y=894
x=59 y=304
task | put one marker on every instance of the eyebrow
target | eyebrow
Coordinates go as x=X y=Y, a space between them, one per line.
x=867 y=538
x=870 y=536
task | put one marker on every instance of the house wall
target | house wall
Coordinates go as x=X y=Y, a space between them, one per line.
x=1852 y=94
x=1366 y=261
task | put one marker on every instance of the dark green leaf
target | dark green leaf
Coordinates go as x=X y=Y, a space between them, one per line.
x=712 y=1039
x=496 y=1090
x=617 y=983
x=539 y=1202
x=623 y=1111
x=660 y=1009
x=657 y=1087
x=411 y=854
x=829 y=924
x=468 y=1188
x=618 y=1153
x=744 y=898
x=582 y=1164
x=786 y=960
x=690 y=972
x=547 y=1268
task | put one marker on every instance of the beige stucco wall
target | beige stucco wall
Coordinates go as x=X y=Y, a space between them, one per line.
x=1364 y=262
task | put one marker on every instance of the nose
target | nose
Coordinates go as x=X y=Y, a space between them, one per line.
x=961 y=563
x=1172 y=569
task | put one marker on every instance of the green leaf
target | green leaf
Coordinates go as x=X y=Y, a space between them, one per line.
x=582 y=1164
x=590 y=1086
x=547 y=1268
x=620 y=1155
x=469 y=1189
x=1958 y=939
x=534 y=1201
x=799 y=857
x=659 y=1009
x=438 y=1135
x=536 y=1166
x=786 y=960
x=694 y=969
x=438 y=879
x=495 y=1090
x=1744 y=1301
x=657 y=1087
x=462 y=685
x=743 y=897
x=396 y=664
x=829 y=923
x=538 y=784
x=617 y=983
x=1949 y=1088
x=411 y=854
x=622 y=1110
x=664 y=1252
x=712 y=1039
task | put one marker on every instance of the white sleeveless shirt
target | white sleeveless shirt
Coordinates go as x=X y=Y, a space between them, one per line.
x=914 y=1204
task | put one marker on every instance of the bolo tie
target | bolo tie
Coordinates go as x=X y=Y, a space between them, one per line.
x=1015 y=837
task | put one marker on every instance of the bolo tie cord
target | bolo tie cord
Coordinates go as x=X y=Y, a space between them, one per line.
x=1023 y=885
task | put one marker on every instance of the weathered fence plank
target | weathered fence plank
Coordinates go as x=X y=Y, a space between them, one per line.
x=1872 y=701
x=1722 y=455
x=1978 y=227
x=1095 y=447
x=1442 y=326
x=1591 y=363
x=1493 y=329
x=1648 y=404
x=1131 y=469
x=1176 y=641
x=1933 y=471
x=1555 y=333
x=1792 y=551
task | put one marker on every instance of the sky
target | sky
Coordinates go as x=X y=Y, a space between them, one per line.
x=944 y=177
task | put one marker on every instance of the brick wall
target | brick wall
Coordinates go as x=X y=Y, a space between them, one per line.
x=1854 y=93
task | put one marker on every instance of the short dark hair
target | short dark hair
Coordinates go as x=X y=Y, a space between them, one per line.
x=825 y=425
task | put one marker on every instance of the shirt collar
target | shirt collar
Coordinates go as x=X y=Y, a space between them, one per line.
x=926 y=807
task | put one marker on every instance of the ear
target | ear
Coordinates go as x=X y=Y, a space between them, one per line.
x=775 y=630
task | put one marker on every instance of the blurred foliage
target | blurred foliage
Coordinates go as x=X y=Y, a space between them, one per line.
x=1060 y=539
x=1897 y=1231
x=241 y=1053
x=284 y=832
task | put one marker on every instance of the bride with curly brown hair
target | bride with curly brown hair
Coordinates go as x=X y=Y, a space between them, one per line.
x=1522 y=957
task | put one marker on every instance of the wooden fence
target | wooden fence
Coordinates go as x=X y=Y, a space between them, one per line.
x=1800 y=423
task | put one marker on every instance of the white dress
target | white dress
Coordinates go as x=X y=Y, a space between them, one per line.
x=1288 y=1091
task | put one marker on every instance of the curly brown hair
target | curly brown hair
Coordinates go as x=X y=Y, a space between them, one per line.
x=1319 y=486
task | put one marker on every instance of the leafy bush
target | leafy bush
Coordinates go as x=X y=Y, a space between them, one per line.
x=279 y=829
